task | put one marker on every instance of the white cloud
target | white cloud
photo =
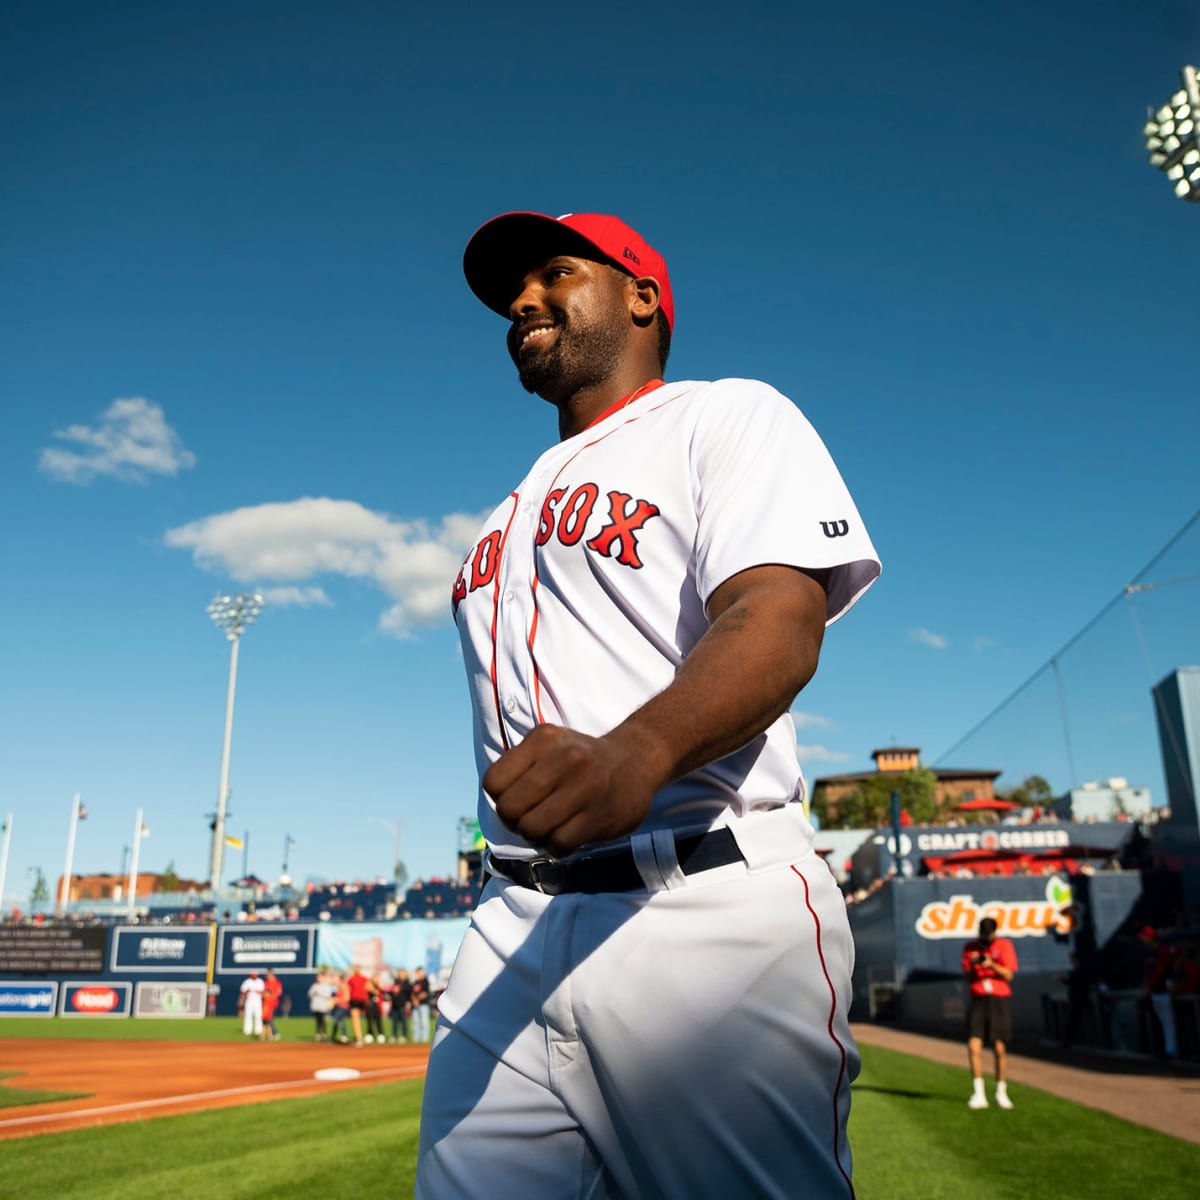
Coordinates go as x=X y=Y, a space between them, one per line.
x=130 y=442
x=296 y=597
x=412 y=562
x=820 y=754
x=982 y=643
x=805 y=720
x=928 y=638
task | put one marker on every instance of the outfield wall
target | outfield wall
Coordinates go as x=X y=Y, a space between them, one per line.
x=165 y=970
x=909 y=937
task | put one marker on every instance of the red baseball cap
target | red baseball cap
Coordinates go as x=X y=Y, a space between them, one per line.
x=502 y=250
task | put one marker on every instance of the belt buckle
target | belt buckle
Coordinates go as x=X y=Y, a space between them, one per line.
x=533 y=864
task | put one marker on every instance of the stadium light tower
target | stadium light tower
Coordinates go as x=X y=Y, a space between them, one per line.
x=233 y=614
x=1173 y=137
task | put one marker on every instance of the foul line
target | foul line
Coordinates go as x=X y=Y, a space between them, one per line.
x=249 y=1089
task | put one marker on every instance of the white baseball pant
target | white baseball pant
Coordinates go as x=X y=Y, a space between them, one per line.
x=252 y=1014
x=688 y=1042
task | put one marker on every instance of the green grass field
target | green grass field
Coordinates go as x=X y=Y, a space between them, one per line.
x=211 y=1029
x=911 y=1131
x=15 y=1097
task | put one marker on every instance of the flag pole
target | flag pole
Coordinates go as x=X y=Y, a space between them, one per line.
x=4 y=858
x=64 y=892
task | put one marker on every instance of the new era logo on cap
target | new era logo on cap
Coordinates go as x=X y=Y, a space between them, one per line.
x=507 y=246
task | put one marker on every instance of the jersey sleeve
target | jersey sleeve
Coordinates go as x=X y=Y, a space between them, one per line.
x=768 y=491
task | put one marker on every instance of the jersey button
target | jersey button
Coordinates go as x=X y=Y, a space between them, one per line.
x=509 y=596
x=510 y=704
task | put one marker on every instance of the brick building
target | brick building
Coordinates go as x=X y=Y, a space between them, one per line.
x=954 y=786
x=113 y=887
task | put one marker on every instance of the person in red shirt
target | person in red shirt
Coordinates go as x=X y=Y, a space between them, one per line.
x=1159 y=970
x=989 y=963
x=272 y=991
x=359 y=986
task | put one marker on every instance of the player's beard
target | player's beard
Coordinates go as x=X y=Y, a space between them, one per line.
x=584 y=353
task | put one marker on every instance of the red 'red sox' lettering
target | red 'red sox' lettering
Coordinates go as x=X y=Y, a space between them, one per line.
x=623 y=528
x=567 y=519
x=486 y=560
x=576 y=512
x=546 y=525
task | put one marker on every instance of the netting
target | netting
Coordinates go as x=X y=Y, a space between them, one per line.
x=1087 y=714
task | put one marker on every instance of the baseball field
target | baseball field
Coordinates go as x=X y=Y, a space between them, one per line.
x=105 y=1108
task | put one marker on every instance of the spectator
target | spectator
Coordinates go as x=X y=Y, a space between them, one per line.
x=401 y=1006
x=420 y=1006
x=321 y=996
x=341 y=1009
x=272 y=993
x=374 y=1010
x=359 y=985
x=1160 y=959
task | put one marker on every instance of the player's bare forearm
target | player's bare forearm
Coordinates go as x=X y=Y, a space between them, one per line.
x=561 y=789
x=760 y=650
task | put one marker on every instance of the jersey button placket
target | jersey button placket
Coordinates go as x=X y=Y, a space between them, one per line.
x=513 y=665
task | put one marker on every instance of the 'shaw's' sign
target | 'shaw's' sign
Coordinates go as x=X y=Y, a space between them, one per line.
x=959 y=916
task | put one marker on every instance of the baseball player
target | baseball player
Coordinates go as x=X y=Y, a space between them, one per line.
x=652 y=997
x=989 y=964
x=252 y=990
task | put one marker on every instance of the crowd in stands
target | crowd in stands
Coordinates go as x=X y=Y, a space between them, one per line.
x=353 y=901
x=428 y=898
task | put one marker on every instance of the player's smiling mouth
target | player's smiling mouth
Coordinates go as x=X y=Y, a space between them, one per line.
x=533 y=336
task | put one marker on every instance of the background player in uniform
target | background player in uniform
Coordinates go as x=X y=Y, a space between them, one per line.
x=989 y=964
x=652 y=997
x=250 y=1001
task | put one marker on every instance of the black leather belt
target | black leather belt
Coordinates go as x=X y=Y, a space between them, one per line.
x=614 y=870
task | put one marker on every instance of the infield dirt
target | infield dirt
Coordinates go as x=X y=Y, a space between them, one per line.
x=130 y=1080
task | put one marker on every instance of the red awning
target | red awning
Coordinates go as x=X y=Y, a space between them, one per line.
x=1004 y=862
x=986 y=804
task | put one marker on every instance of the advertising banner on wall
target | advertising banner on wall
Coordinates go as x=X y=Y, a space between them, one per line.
x=52 y=949
x=286 y=949
x=178 y=1000
x=924 y=924
x=396 y=944
x=27 y=999
x=98 y=999
x=160 y=949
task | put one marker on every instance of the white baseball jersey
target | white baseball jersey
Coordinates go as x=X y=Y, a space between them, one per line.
x=252 y=989
x=587 y=586
x=581 y=1034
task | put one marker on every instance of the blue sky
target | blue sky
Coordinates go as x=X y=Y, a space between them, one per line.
x=239 y=352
